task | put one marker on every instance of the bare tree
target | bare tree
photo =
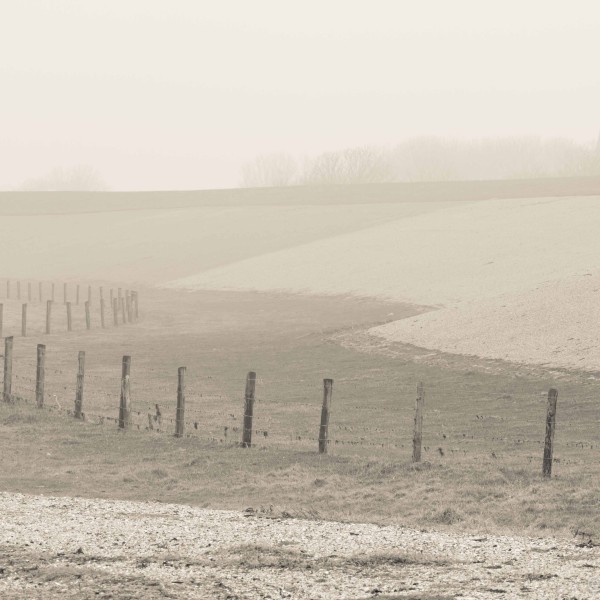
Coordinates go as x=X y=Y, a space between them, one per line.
x=270 y=170
x=79 y=178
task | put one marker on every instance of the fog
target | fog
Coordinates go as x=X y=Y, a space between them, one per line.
x=154 y=95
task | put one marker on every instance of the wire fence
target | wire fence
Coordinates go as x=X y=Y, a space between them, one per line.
x=368 y=415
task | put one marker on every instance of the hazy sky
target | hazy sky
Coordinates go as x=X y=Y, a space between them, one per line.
x=178 y=94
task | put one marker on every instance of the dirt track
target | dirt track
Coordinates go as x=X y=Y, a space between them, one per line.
x=81 y=548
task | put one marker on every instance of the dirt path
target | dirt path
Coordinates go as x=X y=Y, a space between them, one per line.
x=80 y=548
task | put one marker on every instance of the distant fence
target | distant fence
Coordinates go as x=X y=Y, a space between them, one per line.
x=240 y=426
x=35 y=307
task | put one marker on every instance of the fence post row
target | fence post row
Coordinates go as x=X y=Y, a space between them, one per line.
x=79 y=388
x=418 y=428
x=180 y=415
x=248 y=409
x=549 y=441
x=325 y=412
x=125 y=404
x=8 y=352
x=40 y=375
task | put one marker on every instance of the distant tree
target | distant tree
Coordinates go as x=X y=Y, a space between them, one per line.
x=80 y=178
x=364 y=164
x=270 y=170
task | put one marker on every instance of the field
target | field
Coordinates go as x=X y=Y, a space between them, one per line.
x=484 y=417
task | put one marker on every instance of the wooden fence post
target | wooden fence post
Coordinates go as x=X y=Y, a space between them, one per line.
x=48 y=315
x=550 y=423
x=125 y=405
x=69 y=318
x=180 y=415
x=77 y=296
x=123 y=316
x=418 y=428
x=40 y=375
x=248 y=409
x=325 y=412
x=8 y=354
x=24 y=320
x=102 y=323
x=79 y=388
x=29 y=292
x=64 y=293
x=115 y=312
x=87 y=315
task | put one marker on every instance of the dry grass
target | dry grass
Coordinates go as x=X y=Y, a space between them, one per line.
x=483 y=480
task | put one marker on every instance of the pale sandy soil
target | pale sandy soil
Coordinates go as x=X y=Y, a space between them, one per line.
x=81 y=548
x=515 y=279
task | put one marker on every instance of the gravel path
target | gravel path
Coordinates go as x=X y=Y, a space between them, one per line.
x=80 y=548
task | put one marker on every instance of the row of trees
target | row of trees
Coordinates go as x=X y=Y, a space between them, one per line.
x=429 y=159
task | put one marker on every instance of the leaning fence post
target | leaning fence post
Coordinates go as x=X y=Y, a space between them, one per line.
x=8 y=352
x=418 y=428
x=87 y=315
x=79 y=388
x=48 y=315
x=125 y=405
x=550 y=423
x=248 y=409
x=325 y=411
x=40 y=375
x=24 y=320
x=180 y=415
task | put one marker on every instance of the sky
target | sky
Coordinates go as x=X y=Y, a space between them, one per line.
x=180 y=94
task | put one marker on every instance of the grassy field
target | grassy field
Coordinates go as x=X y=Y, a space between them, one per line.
x=483 y=432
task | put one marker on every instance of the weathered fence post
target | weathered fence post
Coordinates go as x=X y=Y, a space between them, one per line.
x=24 y=320
x=102 y=323
x=418 y=428
x=115 y=312
x=8 y=352
x=123 y=316
x=248 y=409
x=77 y=296
x=64 y=293
x=125 y=405
x=325 y=412
x=40 y=375
x=48 y=315
x=87 y=315
x=180 y=415
x=69 y=318
x=79 y=388
x=29 y=292
x=550 y=422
